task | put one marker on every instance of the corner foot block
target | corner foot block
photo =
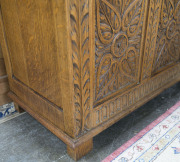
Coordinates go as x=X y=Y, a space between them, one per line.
x=81 y=150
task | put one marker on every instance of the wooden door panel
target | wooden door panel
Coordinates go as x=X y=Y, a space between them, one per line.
x=118 y=49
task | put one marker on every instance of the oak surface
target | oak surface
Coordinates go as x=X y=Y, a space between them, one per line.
x=4 y=86
x=80 y=66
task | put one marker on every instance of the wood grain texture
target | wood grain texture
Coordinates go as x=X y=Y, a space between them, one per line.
x=1 y=54
x=4 y=48
x=4 y=86
x=39 y=104
x=78 y=66
x=12 y=32
x=4 y=99
x=83 y=149
x=35 y=42
x=2 y=67
x=4 y=89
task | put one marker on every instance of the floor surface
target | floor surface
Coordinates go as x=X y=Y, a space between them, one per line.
x=23 y=139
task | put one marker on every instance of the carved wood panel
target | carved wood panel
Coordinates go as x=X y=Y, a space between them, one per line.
x=167 y=50
x=124 y=102
x=118 y=38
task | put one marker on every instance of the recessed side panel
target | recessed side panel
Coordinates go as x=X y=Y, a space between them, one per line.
x=36 y=36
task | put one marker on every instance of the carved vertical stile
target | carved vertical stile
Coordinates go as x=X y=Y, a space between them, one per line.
x=151 y=36
x=79 y=21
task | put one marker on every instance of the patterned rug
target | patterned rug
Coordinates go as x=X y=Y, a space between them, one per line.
x=159 y=141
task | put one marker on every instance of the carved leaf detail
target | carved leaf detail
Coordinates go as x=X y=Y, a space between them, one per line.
x=174 y=47
x=129 y=63
x=167 y=12
x=162 y=52
x=132 y=17
x=79 y=18
x=171 y=29
x=177 y=13
x=106 y=72
x=108 y=21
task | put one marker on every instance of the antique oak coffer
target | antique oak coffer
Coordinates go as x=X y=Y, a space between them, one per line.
x=78 y=66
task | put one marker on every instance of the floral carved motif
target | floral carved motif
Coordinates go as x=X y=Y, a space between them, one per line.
x=168 y=37
x=118 y=38
x=79 y=18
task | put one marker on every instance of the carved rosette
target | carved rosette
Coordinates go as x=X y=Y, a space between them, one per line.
x=79 y=19
x=168 y=37
x=118 y=39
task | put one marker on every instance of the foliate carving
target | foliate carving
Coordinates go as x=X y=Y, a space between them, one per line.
x=111 y=21
x=121 y=104
x=167 y=49
x=79 y=19
x=151 y=35
x=118 y=38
